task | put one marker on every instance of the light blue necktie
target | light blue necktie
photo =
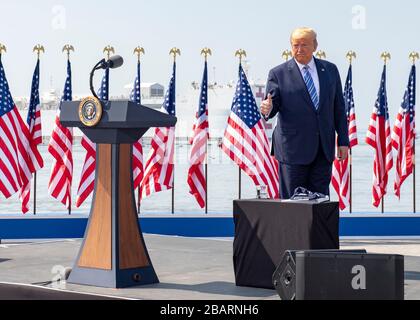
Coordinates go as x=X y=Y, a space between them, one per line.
x=311 y=87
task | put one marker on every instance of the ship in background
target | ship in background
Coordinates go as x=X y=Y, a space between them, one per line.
x=220 y=98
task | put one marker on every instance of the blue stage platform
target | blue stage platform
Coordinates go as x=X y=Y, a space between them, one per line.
x=48 y=226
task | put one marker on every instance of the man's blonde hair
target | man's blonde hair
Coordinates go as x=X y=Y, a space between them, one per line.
x=304 y=32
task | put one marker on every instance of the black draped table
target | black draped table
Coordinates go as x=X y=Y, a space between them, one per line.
x=264 y=229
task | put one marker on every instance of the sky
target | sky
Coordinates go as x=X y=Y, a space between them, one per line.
x=262 y=28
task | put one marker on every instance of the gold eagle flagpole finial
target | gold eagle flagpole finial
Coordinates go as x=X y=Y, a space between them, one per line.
x=174 y=52
x=38 y=49
x=138 y=51
x=286 y=54
x=108 y=50
x=67 y=48
x=385 y=56
x=321 y=54
x=206 y=52
x=350 y=56
x=240 y=53
x=2 y=49
x=414 y=56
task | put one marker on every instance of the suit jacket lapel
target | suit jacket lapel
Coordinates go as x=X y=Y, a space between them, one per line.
x=297 y=75
x=323 y=82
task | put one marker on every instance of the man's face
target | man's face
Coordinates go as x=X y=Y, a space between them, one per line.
x=303 y=48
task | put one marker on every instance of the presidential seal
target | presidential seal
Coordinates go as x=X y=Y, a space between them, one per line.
x=90 y=111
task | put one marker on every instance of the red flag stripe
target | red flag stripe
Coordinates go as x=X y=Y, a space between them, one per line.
x=237 y=144
x=251 y=138
x=379 y=137
x=403 y=141
x=60 y=147
x=158 y=174
x=137 y=163
x=19 y=157
x=196 y=179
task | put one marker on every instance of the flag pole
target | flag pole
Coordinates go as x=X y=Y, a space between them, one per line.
x=351 y=181
x=34 y=193
x=206 y=210
x=414 y=175
x=206 y=177
x=174 y=51
x=2 y=49
x=38 y=49
x=385 y=57
x=206 y=52
x=138 y=198
x=68 y=48
x=138 y=51
x=240 y=183
x=173 y=190
x=240 y=53
x=350 y=56
x=414 y=56
x=382 y=204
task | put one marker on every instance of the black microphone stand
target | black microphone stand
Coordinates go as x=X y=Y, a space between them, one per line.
x=100 y=65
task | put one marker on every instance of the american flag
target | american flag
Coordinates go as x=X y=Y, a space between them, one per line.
x=196 y=179
x=350 y=111
x=159 y=171
x=245 y=140
x=35 y=132
x=87 y=179
x=379 y=137
x=19 y=156
x=137 y=147
x=34 y=111
x=60 y=147
x=403 y=135
x=341 y=173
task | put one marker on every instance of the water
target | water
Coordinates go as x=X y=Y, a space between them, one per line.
x=222 y=186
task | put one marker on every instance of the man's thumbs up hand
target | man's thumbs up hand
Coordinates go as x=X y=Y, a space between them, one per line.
x=266 y=105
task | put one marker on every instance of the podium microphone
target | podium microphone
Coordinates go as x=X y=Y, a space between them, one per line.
x=112 y=63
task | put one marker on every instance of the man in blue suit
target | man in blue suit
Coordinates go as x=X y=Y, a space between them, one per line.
x=306 y=95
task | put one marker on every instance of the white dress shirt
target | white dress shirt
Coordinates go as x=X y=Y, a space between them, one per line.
x=312 y=71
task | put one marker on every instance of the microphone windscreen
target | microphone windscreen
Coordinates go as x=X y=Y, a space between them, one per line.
x=115 y=61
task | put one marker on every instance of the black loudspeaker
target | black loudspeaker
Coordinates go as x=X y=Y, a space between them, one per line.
x=284 y=278
x=339 y=275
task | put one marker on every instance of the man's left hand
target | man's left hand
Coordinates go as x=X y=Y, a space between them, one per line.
x=342 y=153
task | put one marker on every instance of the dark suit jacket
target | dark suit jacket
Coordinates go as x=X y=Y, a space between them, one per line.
x=300 y=128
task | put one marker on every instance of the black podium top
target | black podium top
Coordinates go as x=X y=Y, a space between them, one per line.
x=122 y=121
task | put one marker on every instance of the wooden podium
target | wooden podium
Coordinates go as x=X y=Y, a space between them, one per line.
x=113 y=253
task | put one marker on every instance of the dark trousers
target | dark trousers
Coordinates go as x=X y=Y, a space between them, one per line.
x=315 y=177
